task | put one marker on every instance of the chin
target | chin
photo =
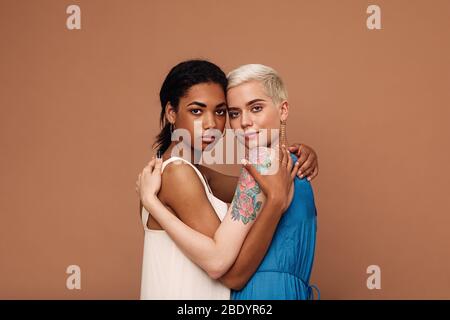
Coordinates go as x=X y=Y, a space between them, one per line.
x=200 y=147
x=254 y=144
x=207 y=146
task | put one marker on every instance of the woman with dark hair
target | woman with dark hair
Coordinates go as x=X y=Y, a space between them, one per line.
x=195 y=91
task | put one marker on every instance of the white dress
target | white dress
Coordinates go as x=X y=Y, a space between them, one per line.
x=166 y=272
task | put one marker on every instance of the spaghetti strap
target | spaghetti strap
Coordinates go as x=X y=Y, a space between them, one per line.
x=144 y=217
x=172 y=159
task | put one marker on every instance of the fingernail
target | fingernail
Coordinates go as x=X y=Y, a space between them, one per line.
x=297 y=163
x=301 y=176
x=309 y=179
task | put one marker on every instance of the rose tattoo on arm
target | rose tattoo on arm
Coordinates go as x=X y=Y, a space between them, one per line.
x=247 y=200
x=245 y=203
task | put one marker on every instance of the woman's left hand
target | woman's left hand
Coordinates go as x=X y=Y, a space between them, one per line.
x=307 y=157
x=148 y=183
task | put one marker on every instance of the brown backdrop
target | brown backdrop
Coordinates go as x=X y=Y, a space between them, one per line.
x=79 y=112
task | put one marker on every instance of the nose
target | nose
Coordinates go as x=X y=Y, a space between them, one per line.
x=246 y=120
x=208 y=121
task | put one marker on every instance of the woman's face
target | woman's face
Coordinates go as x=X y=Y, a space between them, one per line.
x=206 y=104
x=250 y=110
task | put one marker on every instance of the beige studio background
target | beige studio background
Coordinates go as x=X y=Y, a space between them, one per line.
x=79 y=109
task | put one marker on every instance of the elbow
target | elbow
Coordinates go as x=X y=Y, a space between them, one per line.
x=214 y=274
x=233 y=282
x=217 y=269
x=239 y=285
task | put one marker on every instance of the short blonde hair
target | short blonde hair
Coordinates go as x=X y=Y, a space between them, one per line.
x=270 y=79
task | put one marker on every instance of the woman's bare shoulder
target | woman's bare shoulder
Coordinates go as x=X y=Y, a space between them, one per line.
x=178 y=177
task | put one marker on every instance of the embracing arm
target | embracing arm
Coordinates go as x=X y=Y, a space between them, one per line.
x=254 y=248
x=260 y=237
x=214 y=254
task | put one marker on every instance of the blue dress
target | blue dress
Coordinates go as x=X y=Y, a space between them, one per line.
x=285 y=271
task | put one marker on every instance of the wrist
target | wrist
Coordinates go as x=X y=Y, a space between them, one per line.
x=149 y=201
x=276 y=201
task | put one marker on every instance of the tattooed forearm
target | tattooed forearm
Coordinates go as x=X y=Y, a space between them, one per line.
x=245 y=203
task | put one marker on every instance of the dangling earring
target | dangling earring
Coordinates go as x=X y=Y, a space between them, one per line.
x=171 y=127
x=283 y=132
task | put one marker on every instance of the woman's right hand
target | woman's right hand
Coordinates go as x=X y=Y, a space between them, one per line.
x=148 y=183
x=277 y=186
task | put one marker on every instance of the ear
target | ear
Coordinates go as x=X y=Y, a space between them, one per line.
x=171 y=114
x=284 y=110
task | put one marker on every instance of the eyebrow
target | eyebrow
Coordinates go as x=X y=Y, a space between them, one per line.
x=196 y=103
x=203 y=105
x=223 y=104
x=247 y=104
x=253 y=101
